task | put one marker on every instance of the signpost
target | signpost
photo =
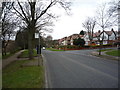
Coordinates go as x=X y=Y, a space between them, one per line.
x=37 y=35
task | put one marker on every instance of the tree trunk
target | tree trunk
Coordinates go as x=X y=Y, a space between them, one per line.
x=30 y=46
x=5 y=51
x=31 y=39
x=31 y=42
x=100 y=48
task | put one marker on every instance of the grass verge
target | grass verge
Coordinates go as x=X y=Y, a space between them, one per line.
x=104 y=50
x=25 y=54
x=52 y=49
x=114 y=53
x=17 y=76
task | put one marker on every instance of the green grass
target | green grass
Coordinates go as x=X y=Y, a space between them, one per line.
x=104 y=50
x=114 y=53
x=15 y=76
x=52 y=49
x=25 y=54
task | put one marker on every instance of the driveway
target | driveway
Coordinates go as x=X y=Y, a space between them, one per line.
x=78 y=69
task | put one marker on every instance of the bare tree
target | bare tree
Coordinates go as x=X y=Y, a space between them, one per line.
x=31 y=12
x=48 y=41
x=104 y=19
x=113 y=8
x=8 y=26
x=89 y=25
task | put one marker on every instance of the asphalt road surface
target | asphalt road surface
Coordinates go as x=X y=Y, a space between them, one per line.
x=79 y=69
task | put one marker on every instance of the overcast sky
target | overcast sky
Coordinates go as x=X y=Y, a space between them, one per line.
x=68 y=25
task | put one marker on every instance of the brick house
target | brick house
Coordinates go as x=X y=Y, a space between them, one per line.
x=63 y=41
x=109 y=38
x=68 y=40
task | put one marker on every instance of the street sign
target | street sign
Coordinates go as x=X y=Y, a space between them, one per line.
x=36 y=35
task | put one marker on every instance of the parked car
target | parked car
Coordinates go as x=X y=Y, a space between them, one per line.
x=43 y=48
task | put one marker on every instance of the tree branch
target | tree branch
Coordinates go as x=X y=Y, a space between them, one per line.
x=23 y=12
x=44 y=11
x=18 y=12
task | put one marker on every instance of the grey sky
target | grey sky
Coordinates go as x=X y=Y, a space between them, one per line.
x=68 y=25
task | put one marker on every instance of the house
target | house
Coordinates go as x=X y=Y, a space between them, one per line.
x=71 y=38
x=108 y=37
x=63 y=41
x=117 y=41
x=94 y=40
x=68 y=40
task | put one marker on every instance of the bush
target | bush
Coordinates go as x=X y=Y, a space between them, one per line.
x=87 y=46
x=107 y=45
x=95 y=46
x=79 y=42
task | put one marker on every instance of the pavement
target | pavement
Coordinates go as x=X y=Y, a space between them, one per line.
x=14 y=57
x=79 y=69
x=9 y=60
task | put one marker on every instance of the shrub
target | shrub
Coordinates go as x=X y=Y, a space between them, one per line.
x=87 y=46
x=79 y=41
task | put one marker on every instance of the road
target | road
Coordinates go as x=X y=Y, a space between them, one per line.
x=78 y=69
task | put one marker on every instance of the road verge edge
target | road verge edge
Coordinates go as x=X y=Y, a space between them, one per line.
x=45 y=68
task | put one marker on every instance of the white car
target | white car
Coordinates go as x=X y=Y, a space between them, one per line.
x=43 y=48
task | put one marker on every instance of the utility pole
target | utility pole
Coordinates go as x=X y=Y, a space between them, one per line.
x=39 y=51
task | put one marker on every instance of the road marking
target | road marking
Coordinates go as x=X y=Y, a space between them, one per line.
x=90 y=68
x=85 y=55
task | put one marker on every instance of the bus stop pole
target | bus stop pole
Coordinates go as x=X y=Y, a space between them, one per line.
x=39 y=50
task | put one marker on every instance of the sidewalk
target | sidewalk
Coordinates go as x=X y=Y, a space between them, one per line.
x=7 y=61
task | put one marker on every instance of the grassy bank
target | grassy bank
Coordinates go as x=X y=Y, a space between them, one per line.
x=104 y=50
x=17 y=76
x=114 y=53
x=25 y=54
x=52 y=49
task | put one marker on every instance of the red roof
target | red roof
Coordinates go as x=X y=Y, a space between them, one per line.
x=109 y=32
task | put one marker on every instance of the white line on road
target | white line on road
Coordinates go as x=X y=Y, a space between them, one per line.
x=90 y=68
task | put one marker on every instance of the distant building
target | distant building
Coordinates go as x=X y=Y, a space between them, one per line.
x=109 y=38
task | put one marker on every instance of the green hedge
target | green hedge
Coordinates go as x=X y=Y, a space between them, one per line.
x=69 y=47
